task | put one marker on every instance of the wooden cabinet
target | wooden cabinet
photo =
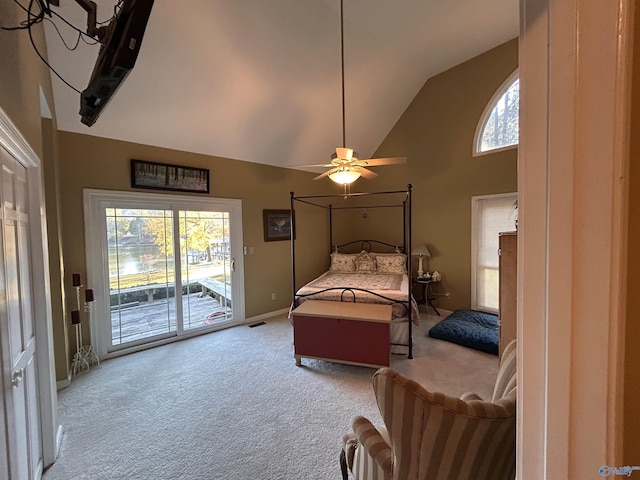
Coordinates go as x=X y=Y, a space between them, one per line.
x=508 y=255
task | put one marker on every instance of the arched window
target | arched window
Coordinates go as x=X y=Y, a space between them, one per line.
x=498 y=127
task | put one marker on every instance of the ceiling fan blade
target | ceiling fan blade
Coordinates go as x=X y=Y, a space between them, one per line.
x=374 y=162
x=366 y=173
x=326 y=174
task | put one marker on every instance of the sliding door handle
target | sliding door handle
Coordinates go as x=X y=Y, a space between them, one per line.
x=17 y=377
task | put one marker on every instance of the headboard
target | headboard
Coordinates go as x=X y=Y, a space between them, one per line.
x=368 y=246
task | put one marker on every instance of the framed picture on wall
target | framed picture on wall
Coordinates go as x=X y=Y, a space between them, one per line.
x=277 y=225
x=163 y=176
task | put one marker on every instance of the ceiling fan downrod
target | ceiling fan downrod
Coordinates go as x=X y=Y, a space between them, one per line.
x=344 y=134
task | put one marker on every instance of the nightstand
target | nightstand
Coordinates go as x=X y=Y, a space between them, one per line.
x=425 y=300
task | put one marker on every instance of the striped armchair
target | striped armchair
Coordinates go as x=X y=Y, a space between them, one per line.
x=433 y=436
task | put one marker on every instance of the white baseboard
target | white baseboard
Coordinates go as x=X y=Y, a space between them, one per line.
x=264 y=316
x=58 y=440
x=62 y=384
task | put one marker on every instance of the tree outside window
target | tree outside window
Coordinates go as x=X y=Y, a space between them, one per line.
x=500 y=126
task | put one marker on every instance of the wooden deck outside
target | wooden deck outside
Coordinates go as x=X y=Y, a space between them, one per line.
x=159 y=317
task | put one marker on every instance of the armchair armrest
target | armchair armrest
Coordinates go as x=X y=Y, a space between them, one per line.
x=468 y=396
x=374 y=445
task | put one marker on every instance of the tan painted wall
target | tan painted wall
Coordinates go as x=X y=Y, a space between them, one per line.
x=22 y=74
x=92 y=162
x=631 y=426
x=59 y=311
x=436 y=133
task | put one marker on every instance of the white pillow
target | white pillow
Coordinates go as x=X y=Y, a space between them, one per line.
x=343 y=262
x=391 y=262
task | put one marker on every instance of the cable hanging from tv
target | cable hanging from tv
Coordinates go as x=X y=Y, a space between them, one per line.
x=120 y=39
x=33 y=19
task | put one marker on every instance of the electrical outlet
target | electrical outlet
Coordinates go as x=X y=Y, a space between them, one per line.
x=273 y=296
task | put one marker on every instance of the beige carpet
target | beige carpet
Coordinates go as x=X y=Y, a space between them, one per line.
x=233 y=405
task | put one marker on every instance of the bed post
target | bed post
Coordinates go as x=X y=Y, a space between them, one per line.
x=408 y=244
x=293 y=253
x=330 y=229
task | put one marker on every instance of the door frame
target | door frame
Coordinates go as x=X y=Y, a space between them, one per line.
x=12 y=141
x=96 y=254
x=572 y=164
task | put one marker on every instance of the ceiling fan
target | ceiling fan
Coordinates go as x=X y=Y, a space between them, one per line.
x=345 y=165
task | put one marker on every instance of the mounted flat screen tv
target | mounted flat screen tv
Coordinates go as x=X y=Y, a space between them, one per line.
x=119 y=49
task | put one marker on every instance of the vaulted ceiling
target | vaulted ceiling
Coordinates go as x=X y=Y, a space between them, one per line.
x=259 y=80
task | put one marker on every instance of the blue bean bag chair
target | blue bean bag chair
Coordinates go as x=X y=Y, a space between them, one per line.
x=471 y=329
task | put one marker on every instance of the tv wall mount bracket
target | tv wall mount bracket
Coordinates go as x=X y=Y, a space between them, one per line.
x=93 y=30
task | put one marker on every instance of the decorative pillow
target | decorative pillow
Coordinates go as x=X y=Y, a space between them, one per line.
x=365 y=263
x=343 y=262
x=391 y=262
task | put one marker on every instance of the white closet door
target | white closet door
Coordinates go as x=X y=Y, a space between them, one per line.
x=17 y=328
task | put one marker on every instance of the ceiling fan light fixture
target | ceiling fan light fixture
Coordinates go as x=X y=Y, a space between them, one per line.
x=344 y=176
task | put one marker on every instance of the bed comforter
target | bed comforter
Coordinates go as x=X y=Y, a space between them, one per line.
x=391 y=285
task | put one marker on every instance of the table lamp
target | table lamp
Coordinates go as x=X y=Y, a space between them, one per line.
x=421 y=251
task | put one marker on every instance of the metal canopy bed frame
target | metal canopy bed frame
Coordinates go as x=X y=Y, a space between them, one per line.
x=349 y=293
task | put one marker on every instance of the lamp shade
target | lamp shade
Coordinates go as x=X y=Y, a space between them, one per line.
x=345 y=177
x=421 y=251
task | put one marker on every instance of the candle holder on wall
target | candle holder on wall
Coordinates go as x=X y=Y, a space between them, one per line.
x=85 y=355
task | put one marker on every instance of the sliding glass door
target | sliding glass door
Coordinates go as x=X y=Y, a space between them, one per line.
x=206 y=267
x=162 y=266
x=141 y=274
